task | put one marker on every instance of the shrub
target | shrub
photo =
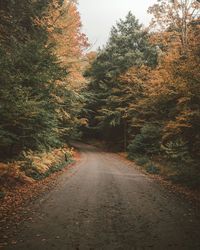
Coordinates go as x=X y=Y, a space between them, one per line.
x=147 y=142
x=142 y=160
x=11 y=175
x=152 y=169
x=177 y=151
x=42 y=165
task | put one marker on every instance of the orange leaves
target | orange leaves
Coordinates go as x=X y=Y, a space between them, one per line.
x=175 y=17
x=135 y=75
x=10 y=174
x=64 y=26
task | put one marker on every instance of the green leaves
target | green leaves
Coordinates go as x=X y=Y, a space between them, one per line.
x=38 y=110
x=127 y=47
x=146 y=142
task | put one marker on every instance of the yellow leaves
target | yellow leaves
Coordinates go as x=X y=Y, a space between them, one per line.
x=64 y=26
x=11 y=174
x=63 y=115
x=44 y=161
x=58 y=99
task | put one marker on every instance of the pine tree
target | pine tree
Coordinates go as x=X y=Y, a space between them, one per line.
x=128 y=46
x=28 y=72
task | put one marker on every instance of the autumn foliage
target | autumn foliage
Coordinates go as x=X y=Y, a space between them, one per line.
x=142 y=92
x=145 y=93
x=41 y=50
x=64 y=30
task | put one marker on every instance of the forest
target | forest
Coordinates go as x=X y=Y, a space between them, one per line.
x=140 y=93
x=144 y=91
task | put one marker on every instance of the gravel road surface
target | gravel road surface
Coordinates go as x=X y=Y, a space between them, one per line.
x=104 y=202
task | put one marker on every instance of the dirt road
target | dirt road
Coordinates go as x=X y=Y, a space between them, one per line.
x=103 y=203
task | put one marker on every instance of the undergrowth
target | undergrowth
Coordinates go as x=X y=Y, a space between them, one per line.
x=174 y=171
x=33 y=173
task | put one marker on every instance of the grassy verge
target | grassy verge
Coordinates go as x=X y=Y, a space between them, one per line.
x=186 y=175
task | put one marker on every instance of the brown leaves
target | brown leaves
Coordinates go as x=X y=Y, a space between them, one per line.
x=14 y=209
x=11 y=175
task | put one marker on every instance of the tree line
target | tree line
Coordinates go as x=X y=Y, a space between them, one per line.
x=41 y=46
x=142 y=93
x=144 y=89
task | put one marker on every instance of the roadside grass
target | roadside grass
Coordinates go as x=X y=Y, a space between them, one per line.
x=175 y=172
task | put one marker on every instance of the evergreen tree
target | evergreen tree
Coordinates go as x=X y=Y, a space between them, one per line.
x=128 y=46
x=28 y=73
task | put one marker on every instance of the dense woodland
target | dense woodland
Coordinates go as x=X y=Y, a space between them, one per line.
x=41 y=54
x=140 y=92
x=144 y=90
x=41 y=48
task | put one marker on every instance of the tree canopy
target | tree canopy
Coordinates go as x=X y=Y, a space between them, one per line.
x=39 y=107
x=144 y=87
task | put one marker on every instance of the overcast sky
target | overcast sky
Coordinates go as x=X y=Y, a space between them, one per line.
x=98 y=16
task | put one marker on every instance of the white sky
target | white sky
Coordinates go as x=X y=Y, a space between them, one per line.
x=98 y=16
